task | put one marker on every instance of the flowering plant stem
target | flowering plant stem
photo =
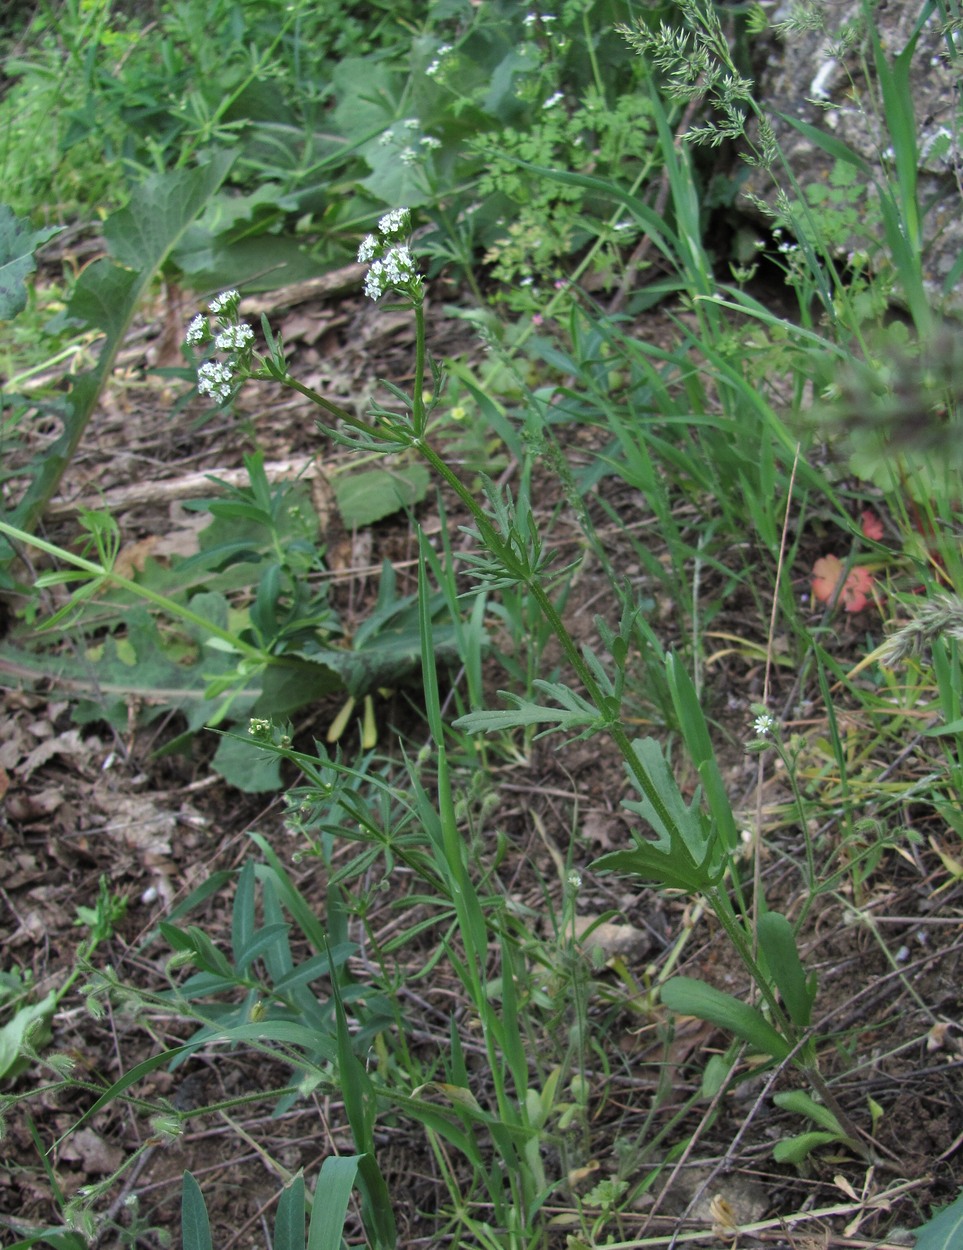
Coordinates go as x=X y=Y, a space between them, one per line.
x=401 y=435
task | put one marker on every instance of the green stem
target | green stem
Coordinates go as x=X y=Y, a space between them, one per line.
x=176 y=610
x=494 y=542
x=418 y=390
x=719 y=901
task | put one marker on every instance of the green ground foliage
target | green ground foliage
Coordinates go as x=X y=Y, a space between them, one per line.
x=727 y=549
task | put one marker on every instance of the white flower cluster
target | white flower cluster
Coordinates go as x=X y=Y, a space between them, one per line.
x=392 y=267
x=235 y=338
x=226 y=302
x=440 y=55
x=218 y=378
x=409 y=149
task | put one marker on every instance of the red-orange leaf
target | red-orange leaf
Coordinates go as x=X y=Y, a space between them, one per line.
x=871 y=525
x=828 y=573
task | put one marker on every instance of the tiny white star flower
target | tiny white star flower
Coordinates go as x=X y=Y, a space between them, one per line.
x=430 y=142
x=369 y=245
x=411 y=123
x=553 y=100
x=197 y=331
x=408 y=156
x=224 y=301
x=763 y=725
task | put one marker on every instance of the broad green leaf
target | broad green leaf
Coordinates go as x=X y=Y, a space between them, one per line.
x=160 y=210
x=695 y=732
x=244 y=764
x=689 y=997
x=797 y=1149
x=798 y=1101
x=54 y=1237
x=316 y=966
x=195 y=1225
x=18 y=242
x=778 y=943
x=376 y=1209
x=14 y=1031
x=364 y=498
x=103 y=297
x=944 y=1231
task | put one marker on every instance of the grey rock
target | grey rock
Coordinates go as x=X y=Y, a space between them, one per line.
x=820 y=77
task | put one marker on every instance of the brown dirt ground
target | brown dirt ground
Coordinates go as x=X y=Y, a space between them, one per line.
x=86 y=802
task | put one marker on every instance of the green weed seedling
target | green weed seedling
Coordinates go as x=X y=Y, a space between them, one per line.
x=829 y=1131
x=26 y=1035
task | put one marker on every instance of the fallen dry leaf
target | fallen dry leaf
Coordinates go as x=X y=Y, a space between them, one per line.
x=828 y=573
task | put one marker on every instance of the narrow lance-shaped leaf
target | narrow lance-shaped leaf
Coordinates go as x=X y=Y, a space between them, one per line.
x=689 y=997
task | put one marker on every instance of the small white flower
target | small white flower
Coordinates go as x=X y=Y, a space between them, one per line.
x=225 y=302
x=408 y=156
x=399 y=266
x=433 y=68
x=197 y=331
x=395 y=269
x=430 y=142
x=234 y=338
x=763 y=725
x=395 y=222
x=386 y=137
x=374 y=286
x=411 y=123
x=575 y=879
x=368 y=248
x=553 y=100
x=215 y=379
